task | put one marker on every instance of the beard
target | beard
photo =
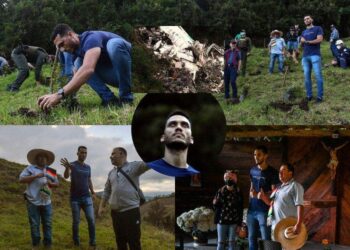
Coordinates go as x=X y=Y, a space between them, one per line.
x=176 y=145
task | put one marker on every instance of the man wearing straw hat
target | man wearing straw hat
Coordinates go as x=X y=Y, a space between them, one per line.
x=39 y=179
x=287 y=199
x=287 y=202
x=277 y=48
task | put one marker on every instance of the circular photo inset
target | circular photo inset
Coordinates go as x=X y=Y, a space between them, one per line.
x=179 y=134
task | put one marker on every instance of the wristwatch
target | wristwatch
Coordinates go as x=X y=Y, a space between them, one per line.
x=61 y=92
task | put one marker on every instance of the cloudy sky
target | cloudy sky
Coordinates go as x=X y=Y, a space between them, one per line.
x=16 y=141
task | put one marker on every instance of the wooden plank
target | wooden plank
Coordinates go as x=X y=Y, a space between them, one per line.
x=320 y=203
x=280 y=131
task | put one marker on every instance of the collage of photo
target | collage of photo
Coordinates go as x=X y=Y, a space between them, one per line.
x=175 y=125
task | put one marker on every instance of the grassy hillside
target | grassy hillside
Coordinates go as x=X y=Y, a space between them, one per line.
x=15 y=233
x=263 y=89
x=91 y=110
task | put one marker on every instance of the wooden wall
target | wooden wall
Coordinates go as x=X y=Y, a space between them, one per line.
x=310 y=160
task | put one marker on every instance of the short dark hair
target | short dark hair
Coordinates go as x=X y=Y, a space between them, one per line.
x=309 y=16
x=123 y=150
x=81 y=147
x=179 y=112
x=262 y=148
x=60 y=29
x=289 y=166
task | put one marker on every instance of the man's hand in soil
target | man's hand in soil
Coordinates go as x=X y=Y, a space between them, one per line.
x=48 y=101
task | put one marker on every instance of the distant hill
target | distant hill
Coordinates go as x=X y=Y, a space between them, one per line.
x=15 y=233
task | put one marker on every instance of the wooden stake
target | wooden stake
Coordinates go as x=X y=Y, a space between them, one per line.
x=54 y=66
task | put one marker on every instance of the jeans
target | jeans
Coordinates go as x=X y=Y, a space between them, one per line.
x=35 y=214
x=256 y=222
x=343 y=62
x=273 y=57
x=66 y=61
x=118 y=74
x=86 y=204
x=230 y=76
x=334 y=50
x=23 y=70
x=292 y=45
x=127 y=229
x=313 y=62
x=226 y=232
x=40 y=61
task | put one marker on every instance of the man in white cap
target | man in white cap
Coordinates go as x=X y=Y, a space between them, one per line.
x=39 y=179
x=343 y=55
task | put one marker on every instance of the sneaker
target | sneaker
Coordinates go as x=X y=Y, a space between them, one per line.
x=92 y=245
x=309 y=99
x=127 y=102
x=114 y=102
x=318 y=100
x=235 y=100
x=11 y=88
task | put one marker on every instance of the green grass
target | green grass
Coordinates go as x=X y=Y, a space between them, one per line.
x=91 y=112
x=266 y=88
x=15 y=232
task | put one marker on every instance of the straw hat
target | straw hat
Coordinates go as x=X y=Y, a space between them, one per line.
x=276 y=31
x=283 y=233
x=32 y=154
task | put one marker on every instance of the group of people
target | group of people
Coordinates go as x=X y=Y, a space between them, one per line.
x=339 y=50
x=121 y=191
x=96 y=57
x=309 y=40
x=273 y=197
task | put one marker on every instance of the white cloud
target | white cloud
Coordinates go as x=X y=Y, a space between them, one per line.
x=16 y=141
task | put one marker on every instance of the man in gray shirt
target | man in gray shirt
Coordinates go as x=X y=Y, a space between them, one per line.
x=287 y=199
x=124 y=199
x=39 y=179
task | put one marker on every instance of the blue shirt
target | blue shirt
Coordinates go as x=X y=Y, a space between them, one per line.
x=95 y=39
x=80 y=175
x=33 y=191
x=277 y=45
x=309 y=35
x=334 y=36
x=163 y=167
x=262 y=179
